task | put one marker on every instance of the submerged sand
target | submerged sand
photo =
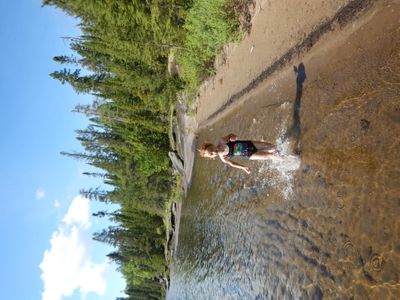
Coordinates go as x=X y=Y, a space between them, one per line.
x=283 y=35
x=334 y=219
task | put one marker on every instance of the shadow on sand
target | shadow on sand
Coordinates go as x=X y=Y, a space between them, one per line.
x=295 y=130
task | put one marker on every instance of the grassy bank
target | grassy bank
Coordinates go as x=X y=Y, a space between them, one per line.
x=124 y=49
x=209 y=25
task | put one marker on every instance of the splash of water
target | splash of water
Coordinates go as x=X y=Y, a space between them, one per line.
x=282 y=171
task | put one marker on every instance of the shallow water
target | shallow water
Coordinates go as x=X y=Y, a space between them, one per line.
x=325 y=223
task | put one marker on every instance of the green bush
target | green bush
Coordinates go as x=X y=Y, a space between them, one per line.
x=209 y=26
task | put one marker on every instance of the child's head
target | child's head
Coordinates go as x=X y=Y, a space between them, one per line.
x=207 y=150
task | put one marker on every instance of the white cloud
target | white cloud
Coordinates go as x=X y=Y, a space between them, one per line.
x=78 y=212
x=57 y=204
x=40 y=193
x=67 y=266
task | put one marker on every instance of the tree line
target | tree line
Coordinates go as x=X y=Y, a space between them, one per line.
x=121 y=60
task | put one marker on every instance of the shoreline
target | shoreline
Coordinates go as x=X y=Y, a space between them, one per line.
x=346 y=14
x=337 y=208
x=201 y=114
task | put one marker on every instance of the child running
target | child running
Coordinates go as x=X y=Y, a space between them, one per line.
x=229 y=146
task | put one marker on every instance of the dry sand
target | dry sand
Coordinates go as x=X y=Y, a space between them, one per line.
x=280 y=32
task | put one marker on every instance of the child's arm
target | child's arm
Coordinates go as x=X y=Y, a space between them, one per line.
x=235 y=164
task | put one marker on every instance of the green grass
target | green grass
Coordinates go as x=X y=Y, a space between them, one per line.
x=209 y=26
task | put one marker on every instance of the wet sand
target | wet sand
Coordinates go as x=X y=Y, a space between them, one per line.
x=280 y=31
x=329 y=227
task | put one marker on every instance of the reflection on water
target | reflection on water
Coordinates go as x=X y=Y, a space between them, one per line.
x=324 y=224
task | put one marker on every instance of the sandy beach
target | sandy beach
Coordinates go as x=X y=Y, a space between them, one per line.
x=281 y=33
x=281 y=36
x=322 y=82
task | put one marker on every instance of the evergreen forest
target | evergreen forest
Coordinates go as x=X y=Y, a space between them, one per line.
x=121 y=60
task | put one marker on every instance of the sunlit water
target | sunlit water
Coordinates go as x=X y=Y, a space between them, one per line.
x=325 y=222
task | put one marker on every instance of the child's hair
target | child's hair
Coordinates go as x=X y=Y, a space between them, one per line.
x=204 y=147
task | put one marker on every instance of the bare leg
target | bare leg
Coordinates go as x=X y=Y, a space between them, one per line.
x=265 y=155
x=265 y=147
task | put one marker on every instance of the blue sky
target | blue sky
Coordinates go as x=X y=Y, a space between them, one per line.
x=40 y=208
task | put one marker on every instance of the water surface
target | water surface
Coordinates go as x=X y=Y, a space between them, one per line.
x=325 y=223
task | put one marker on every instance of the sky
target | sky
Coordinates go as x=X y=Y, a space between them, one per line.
x=45 y=226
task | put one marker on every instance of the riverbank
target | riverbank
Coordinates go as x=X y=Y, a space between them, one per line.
x=328 y=228
x=281 y=34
